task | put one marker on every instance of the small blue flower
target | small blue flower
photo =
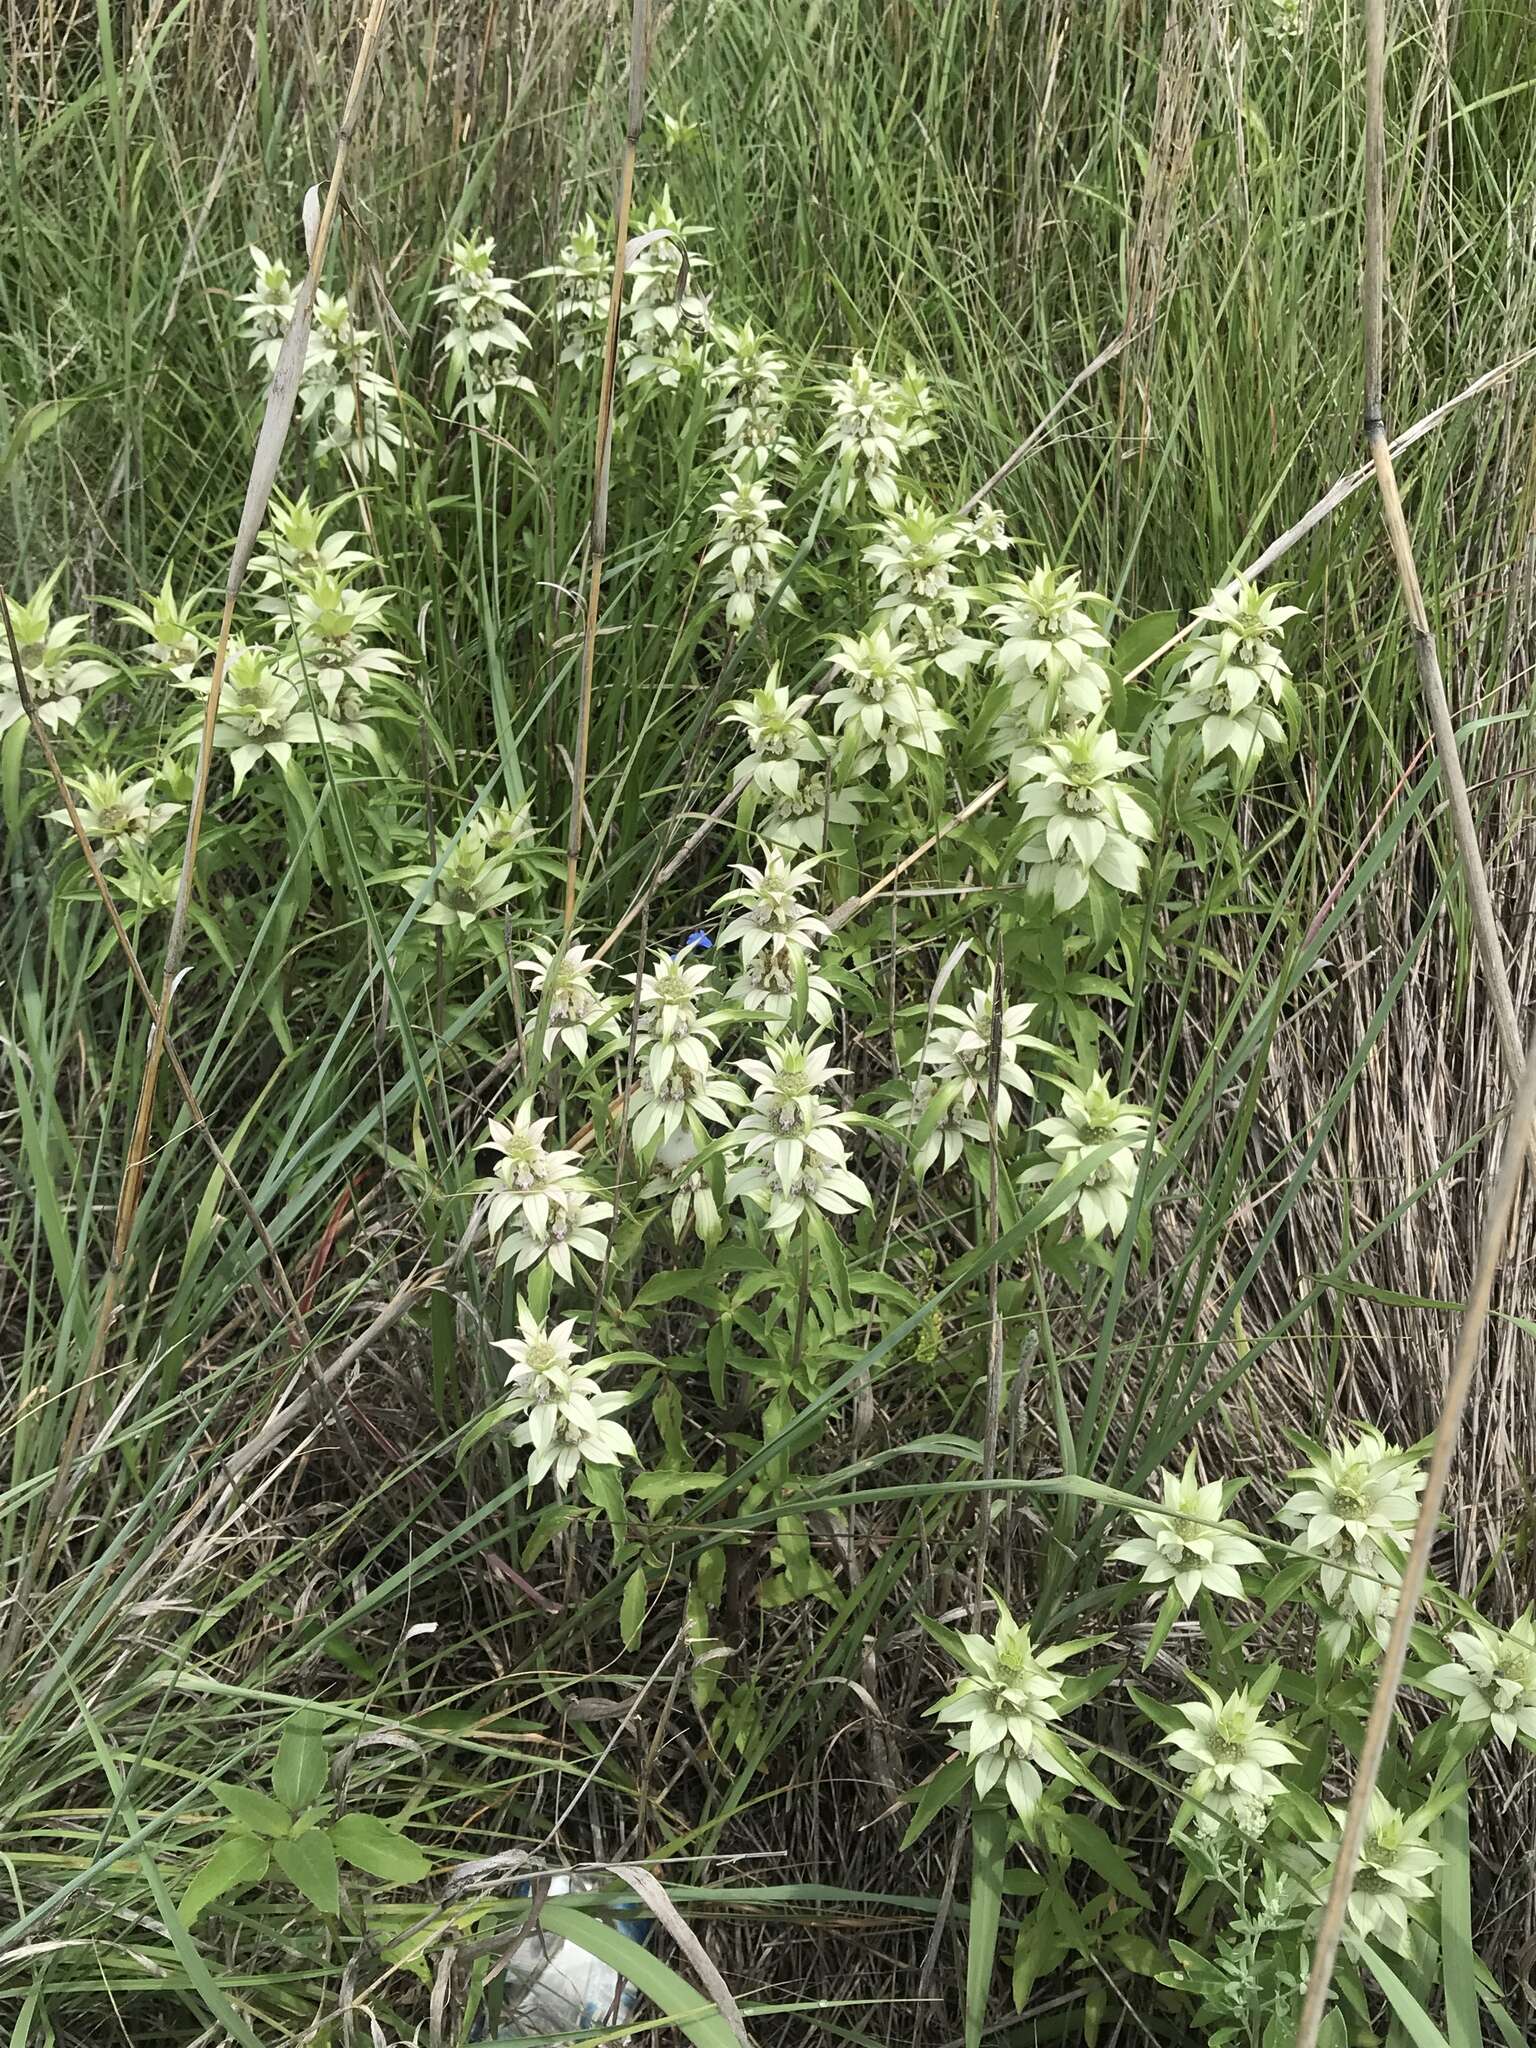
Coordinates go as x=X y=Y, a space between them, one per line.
x=700 y=939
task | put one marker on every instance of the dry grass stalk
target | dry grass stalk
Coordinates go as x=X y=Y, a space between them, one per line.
x=604 y=450
x=269 y=446
x=1501 y=1201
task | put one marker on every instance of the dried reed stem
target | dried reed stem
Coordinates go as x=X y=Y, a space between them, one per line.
x=604 y=450
x=1518 y=1135
x=269 y=445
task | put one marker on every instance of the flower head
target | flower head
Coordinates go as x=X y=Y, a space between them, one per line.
x=470 y=884
x=1093 y=1116
x=1083 y=821
x=557 y=1223
x=1234 y=677
x=562 y=982
x=483 y=341
x=584 y=269
x=1354 y=1512
x=1230 y=1755
x=1494 y=1677
x=778 y=735
x=1006 y=1703
x=1189 y=1545
x=116 y=815
x=1052 y=650
x=57 y=677
x=564 y=1416
x=1391 y=1877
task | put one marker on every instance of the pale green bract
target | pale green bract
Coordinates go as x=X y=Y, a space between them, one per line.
x=1051 y=654
x=1006 y=1703
x=57 y=678
x=1231 y=1756
x=1093 y=1116
x=116 y=815
x=1494 y=1677
x=1354 y=1513
x=1234 y=678
x=1083 y=822
x=1392 y=1877
x=1189 y=1545
x=561 y=1414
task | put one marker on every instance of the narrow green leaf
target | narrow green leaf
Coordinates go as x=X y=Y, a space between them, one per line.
x=632 y=1607
x=989 y=1848
x=1458 y=1958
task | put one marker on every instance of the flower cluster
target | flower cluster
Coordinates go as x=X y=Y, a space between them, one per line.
x=1188 y=1546
x=1230 y=1755
x=794 y=1157
x=748 y=546
x=341 y=390
x=1051 y=656
x=469 y=883
x=778 y=936
x=950 y=1100
x=584 y=272
x=483 y=341
x=58 y=672
x=1494 y=1677
x=562 y=1415
x=540 y=1206
x=875 y=425
x=1354 y=1513
x=1234 y=680
x=1007 y=1702
x=1083 y=821
x=1093 y=1117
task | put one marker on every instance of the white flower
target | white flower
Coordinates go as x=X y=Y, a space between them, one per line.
x=585 y=272
x=881 y=705
x=916 y=552
x=1494 y=1677
x=327 y=624
x=676 y=1025
x=815 y=1184
x=1230 y=1755
x=116 y=815
x=1006 y=1703
x=269 y=308
x=259 y=713
x=771 y=980
x=660 y=271
x=749 y=546
x=1084 y=821
x=469 y=886
x=563 y=986
x=935 y=630
x=1189 y=1545
x=803 y=817
x=564 y=1413
x=692 y=1194
x=957 y=1052
x=772 y=914
x=779 y=736
x=1093 y=1116
x=57 y=678
x=524 y=1166
x=553 y=1224
x=175 y=641
x=869 y=432
x=1052 y=651
x=298 y=549
x=343 y=392
x=985 y=530
x=483 y=341
x=1391 y=1876
x=1234 y=678
x=1355 y=1513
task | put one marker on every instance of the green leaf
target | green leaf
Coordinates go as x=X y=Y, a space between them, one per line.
x=1458 y=1958
x=1090 y=1845
x=253 y=1809
x=374 y=1846
x=1416 y=2022
x=674 y=1998
x=989 y=1849
x=298 y=1774
x=34 y=423
x=309 y=1863
x=632 y=1607
x=238 y=1860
